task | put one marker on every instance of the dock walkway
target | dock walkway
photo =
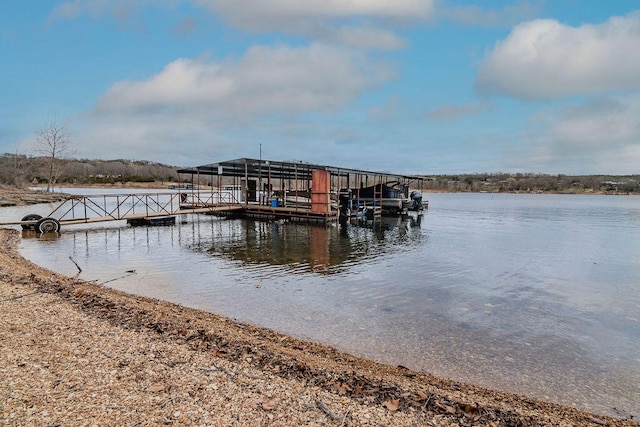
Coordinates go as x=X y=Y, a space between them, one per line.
x=156 y=209
x=134 y=208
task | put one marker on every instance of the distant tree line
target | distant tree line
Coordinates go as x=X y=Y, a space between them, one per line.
x=534 y=183
x=20 y=170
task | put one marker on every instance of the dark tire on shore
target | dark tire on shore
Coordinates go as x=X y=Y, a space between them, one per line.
x=30 y=217
x=48 y=225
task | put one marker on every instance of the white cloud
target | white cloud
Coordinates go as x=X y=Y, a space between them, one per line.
x=598 y=136
x=366 y=38
x=544 y=59
x=365 y=24
x=176 y=139
x=253 y=14
x=194 y=108
x=186 y=26
x=120 y=9
x=454 y=112
x=264 y=14
x=124 y=12
x=265 y=80
x=603 y=123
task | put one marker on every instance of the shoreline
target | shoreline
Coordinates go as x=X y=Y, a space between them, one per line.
x=13 y=196
x=73 y=352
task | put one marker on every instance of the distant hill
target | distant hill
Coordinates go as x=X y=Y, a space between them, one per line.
x=21 y=170
x=534 y=183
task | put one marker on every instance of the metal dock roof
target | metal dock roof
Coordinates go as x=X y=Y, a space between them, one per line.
x=255 y=168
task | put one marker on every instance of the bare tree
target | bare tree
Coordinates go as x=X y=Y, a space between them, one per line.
x=54 y=144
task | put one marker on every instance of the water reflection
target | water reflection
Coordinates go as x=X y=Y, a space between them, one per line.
x=292 y=248
x=32 y=234
x=322 y=249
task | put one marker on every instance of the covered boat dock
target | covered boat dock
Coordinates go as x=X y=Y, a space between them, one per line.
x=295 y=191
x=263 y=189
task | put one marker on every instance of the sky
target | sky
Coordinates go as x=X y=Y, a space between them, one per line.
x=406 y=86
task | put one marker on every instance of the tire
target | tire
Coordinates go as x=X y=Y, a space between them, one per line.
x=48 y=225
x=30 y=217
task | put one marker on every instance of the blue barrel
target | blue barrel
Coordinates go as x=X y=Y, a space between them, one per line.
x=274 y=202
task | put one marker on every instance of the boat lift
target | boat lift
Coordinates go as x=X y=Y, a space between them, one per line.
x=136 y=209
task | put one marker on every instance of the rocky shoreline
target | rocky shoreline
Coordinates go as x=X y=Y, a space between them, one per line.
x=77 y=353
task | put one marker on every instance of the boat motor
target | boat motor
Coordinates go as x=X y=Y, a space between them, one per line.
x=345 y=202
x=416 y=198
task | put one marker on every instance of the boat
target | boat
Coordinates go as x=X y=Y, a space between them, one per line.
x=393 y=201
x=182 y=186
x=390 y=199
x=415 y=202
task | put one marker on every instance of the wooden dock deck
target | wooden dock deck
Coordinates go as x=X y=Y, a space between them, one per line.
x=291 y=214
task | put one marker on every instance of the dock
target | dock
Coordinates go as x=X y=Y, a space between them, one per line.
x=249 y=188
x=300 y=191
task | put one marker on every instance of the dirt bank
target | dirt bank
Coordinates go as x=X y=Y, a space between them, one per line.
x=75 y=353
x=13 y=196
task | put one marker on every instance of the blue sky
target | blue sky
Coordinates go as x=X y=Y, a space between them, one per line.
x=409 y=86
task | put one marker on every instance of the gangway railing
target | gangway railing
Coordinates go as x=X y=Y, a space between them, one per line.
x=116 y=207
x=82 y=209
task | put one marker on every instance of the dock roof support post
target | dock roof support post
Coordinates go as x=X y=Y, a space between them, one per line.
x=245 y=190
x=308 y=174
x=269 y=189
x=358 y=184
x=339 y=177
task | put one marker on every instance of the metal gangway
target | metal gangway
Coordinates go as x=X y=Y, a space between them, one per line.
x=135 y=208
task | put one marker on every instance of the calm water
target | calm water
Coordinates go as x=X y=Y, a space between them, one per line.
x=536 y=294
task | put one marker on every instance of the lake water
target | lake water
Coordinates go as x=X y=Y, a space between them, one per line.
x=534 y=294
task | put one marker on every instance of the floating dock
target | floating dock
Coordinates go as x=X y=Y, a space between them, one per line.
x=152 y=220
